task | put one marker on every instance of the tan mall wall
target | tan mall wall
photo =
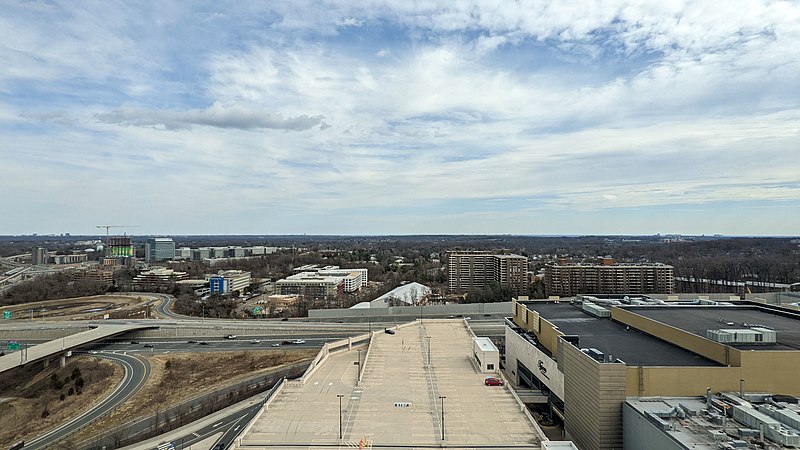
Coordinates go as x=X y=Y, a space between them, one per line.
x=548 y=335
x=690 y=341
x=544 y=331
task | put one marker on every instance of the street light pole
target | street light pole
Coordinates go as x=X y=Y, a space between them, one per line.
x=442 y=397
x=429 y=349
x=358 y=374
x=340 y=415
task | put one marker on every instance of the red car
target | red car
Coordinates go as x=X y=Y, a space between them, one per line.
x=491 y=381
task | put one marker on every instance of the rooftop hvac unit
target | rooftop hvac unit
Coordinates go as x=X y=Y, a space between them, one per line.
x=662 y=424
x=783 y=436
x=742 y=336
x=595 y=310
x=787 y=417
x=753 y=418
x=717 y=435
x=770 y=336
x=596 y=354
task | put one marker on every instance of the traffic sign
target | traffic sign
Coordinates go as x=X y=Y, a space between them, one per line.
x=256 y=310
x=12 y=345
x=7 y=315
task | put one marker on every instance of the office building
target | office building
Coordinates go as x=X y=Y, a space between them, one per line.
x=311 y=285
x=229 y=281
x=320 y=282
x=158 y=278
x=354 y=278
x=119 y=247
x=159 y=249
x=470 y=271
x=608 y=277
x=589 y=357
x=70 y=259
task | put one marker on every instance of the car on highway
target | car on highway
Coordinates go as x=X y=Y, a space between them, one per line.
x=202 y=343
x=148 y=345
x=254 y=341
x=93 y=352
x=492 y=381
x=230 y=336
x=134 y=342
x=191 y=342
x=277 y=344
x=388 y=331
x=287 y=342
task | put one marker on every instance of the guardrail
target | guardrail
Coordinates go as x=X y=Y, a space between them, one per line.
x=265 y=405
x=326 y=350
x=523 y=408
x=184 y=411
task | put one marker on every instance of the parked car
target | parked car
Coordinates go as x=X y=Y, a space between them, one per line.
x=492 y=381
x=388 y=331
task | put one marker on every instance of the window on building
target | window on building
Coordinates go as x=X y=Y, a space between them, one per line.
x=490 y=367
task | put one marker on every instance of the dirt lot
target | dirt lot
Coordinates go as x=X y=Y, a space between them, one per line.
x=180 y=376
x=95 y=307
x=35 y=403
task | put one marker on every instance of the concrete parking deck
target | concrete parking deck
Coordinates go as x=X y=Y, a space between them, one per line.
x=398 y=403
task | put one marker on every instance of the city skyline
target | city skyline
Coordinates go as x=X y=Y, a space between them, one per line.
x=379 y=118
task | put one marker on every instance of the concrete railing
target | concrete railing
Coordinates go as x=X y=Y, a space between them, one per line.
x=326 y=350
x=523 y=408
x=267 y=401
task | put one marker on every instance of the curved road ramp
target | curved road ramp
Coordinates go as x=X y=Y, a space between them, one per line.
x=419 y=389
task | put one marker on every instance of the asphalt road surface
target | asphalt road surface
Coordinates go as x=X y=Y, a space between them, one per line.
x=213 y=345
x=230 y=425
x=137 y=370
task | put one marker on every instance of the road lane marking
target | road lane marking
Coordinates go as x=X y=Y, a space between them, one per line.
x=216 y=425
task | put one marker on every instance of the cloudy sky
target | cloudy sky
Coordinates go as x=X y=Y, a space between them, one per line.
x=401 y=117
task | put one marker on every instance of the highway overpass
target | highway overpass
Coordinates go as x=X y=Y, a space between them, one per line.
x=60 y=347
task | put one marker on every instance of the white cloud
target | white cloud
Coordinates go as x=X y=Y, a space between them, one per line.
x=548 y=106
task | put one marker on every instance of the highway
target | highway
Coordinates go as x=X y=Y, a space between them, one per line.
x=231 y=425
x=137 y=370
x=212 y=345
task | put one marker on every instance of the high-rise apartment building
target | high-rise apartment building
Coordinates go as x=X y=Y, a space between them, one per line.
x=159 y=249
x=474 y=270
x=610 y=277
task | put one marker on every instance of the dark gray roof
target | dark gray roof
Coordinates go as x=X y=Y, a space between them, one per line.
x=698 y=319
x=610 y=337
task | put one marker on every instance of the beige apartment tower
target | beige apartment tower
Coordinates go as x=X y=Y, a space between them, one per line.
x=567 y=280
x=474 y=270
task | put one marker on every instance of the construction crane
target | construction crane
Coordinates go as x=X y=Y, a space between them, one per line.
x=108 y=227
x=107 y=243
